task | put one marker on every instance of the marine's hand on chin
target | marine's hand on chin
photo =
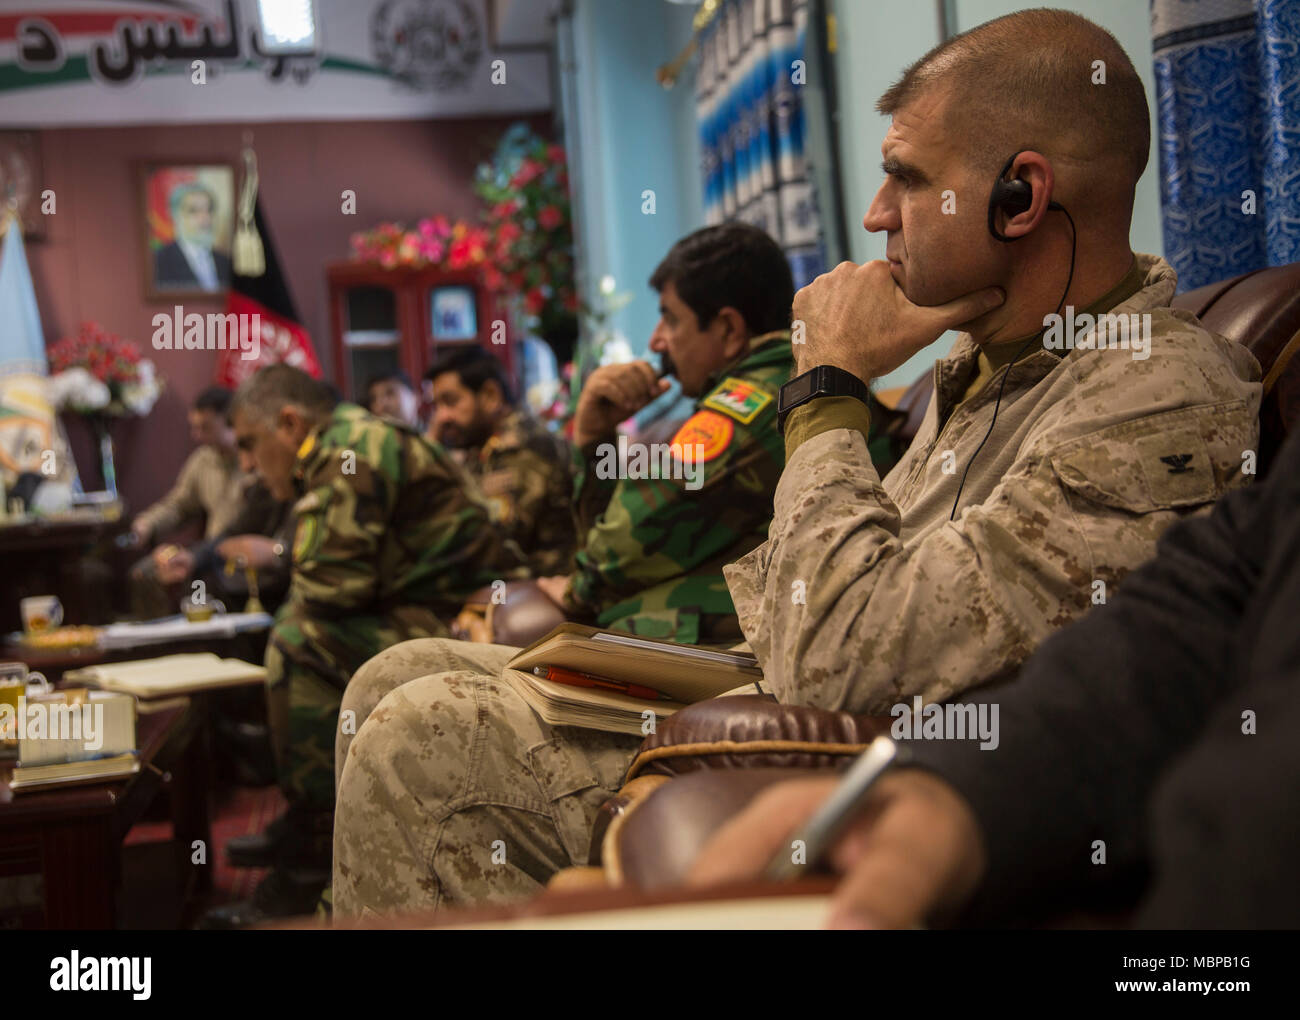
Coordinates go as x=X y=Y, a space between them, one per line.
x=857 y=318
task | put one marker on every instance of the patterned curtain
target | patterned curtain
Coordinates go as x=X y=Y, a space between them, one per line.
x=1228 y=97
x=751 y=119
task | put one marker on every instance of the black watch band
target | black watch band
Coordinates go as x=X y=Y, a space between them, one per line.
x=821 y=381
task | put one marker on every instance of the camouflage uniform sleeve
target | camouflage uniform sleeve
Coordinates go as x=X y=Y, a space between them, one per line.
x=657 y=528
x=591 y=493
x=844 y=615
x=538 y=512
x=341 y=521
x=445 y=517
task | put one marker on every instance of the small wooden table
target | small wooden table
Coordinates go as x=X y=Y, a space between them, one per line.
x=72 y=837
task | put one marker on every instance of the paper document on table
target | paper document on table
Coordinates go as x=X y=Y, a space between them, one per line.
x=178 y=628
x=169 y=675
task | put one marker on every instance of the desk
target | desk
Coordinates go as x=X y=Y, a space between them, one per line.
x=72 y=837
x=67 y=558
x=53 y=663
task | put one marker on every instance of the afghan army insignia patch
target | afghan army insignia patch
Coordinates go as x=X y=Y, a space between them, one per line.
x=304 y=541
x=706 y=434
x=739 y=399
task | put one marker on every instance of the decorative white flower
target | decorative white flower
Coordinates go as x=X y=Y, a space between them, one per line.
x=140 y=396
x=77 y=390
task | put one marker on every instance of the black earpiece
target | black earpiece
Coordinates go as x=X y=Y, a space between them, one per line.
x=1014 y=197
x=1010 y=197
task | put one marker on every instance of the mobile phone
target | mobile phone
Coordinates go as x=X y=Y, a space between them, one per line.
x=826 y=824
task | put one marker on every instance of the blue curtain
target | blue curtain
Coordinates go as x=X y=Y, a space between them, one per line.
x=750 y=110
x=1228 y=102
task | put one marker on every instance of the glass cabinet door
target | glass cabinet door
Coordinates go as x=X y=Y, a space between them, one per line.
x=371 y=337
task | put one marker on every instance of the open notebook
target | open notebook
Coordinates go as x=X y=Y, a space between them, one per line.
x=169 y=675
x=680 y=674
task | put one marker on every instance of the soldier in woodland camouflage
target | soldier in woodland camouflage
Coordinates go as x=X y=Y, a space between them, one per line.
x=390 y=538
x=522 y=468
x=1033 y=479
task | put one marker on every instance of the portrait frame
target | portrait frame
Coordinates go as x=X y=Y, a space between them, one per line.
x=21 y=173
x=166 y=190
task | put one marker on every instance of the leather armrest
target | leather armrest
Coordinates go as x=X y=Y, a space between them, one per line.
x=654 y=845
x=748 y=731
x=517 y=615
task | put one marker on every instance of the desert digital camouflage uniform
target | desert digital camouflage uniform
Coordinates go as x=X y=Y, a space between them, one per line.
x=653 y=549
x=651 y=564
x=1093 y=455
x=390 y=538
x=526 y=475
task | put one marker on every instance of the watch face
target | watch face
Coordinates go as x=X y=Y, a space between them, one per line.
x=796 y=390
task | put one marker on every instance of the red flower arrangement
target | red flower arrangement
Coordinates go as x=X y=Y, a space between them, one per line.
x=433 y=242
x=130 y=379
x=524 y=246
x=526 y=191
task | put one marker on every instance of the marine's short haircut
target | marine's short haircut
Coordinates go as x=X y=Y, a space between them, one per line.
x=475 y=366
x=731 y=265
x=277 y=386
x=215 y=399
x=1030 y=78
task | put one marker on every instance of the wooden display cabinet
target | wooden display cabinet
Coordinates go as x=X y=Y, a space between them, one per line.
x=384 y=319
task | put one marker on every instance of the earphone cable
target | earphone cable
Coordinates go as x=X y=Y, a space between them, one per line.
x=1074 y=238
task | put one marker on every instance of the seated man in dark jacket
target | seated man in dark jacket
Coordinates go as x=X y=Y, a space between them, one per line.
x=1147 y=753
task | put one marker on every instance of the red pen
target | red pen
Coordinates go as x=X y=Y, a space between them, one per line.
x=574 y=679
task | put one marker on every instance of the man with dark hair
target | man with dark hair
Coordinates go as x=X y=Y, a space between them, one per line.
x=390 y=395
x=481 y=765
x=1043 y=472
x=653 y=551
x=390 y=538
x=523 y=469
x=210 y=488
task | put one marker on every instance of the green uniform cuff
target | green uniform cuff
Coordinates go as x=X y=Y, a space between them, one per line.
x=822 y=415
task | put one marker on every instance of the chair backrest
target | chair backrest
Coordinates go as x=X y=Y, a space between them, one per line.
x=1260 y=310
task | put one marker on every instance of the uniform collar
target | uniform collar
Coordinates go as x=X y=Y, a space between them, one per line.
x=1148 y=284
x=312 y=448
x=764 y=349
x=506 y=436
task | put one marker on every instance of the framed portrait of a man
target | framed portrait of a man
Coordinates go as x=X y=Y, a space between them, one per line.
x=189 y=221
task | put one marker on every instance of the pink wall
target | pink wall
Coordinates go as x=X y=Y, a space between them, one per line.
x=90 y=265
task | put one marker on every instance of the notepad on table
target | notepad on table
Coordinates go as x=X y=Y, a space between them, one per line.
x=170 y=675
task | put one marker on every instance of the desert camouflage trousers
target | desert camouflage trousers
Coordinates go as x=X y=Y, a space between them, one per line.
x=453 y=791
x=309 y=662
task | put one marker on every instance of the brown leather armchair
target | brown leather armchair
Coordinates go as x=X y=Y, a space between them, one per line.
x=725 y=751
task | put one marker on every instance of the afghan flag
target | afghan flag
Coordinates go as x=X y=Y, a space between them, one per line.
x=265 y=294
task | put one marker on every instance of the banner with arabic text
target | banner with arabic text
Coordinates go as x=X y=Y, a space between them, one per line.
x=75 y=62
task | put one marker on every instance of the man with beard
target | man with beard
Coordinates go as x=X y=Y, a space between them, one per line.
x=524 y=470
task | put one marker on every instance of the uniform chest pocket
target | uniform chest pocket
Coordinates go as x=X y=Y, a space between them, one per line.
x=1158 y=463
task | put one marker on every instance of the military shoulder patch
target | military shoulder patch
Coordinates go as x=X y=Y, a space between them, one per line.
x=304 y=542
x=706 y=433
x=742 y=400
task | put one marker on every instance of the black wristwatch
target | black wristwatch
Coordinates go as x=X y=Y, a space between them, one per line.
x=822 y=381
